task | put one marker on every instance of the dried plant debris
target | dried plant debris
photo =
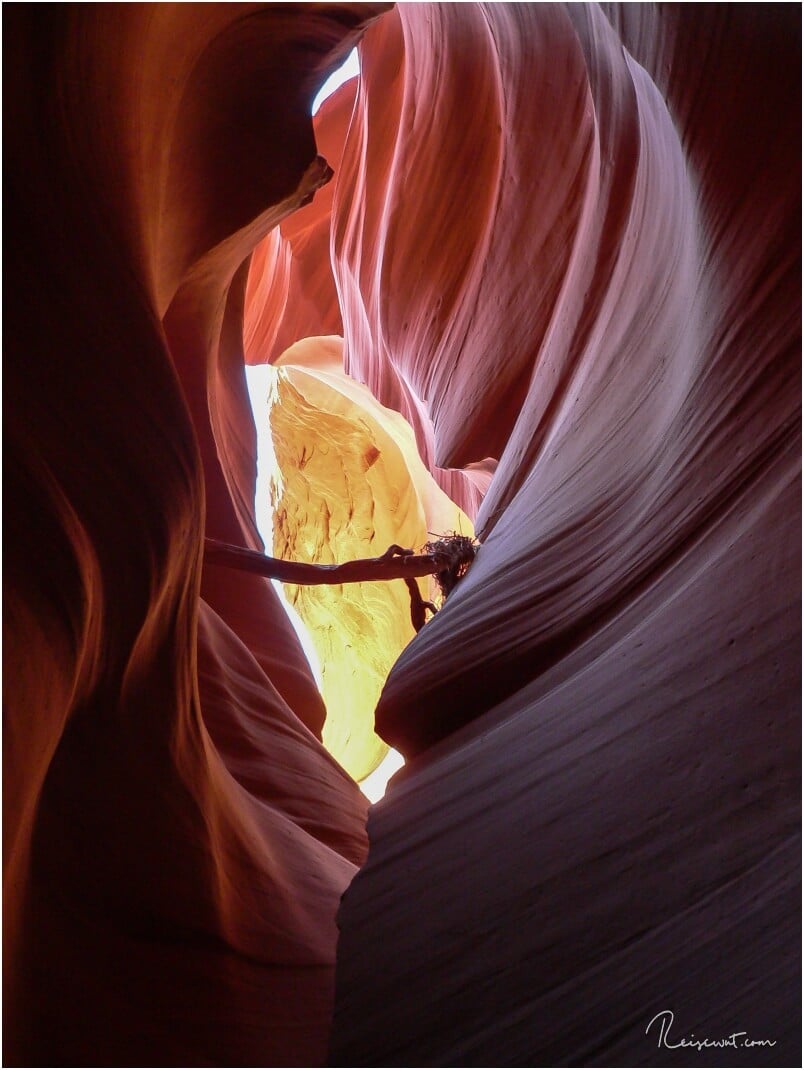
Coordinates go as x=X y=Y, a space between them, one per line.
x=457 y=552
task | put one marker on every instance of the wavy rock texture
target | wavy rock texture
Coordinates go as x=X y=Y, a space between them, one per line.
x=351 y=485
x=176 y=837
x=572 y=236
x=291 y=292
x=564 y=239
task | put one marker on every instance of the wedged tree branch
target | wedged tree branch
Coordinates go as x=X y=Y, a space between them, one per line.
x=442 y=559
x=395 y=564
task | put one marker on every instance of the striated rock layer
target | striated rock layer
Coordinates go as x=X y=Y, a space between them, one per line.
x=564 y=243
x=572 y=235
x=291 y=288
x=296 y=289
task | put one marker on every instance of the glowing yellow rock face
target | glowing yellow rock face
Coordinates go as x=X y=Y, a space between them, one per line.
x=349 y=484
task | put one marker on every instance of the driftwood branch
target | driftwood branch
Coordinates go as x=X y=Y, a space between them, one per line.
x=395 y=564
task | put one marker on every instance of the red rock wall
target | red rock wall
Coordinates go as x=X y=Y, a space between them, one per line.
x=563 y=238
x=176 y=838
x=291 y=289
x=580 y=250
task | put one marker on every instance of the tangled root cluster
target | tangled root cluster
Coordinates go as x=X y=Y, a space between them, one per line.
x=457 y=552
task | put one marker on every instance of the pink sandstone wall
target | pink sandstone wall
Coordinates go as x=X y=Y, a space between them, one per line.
x=580 y=248
x=565 y=243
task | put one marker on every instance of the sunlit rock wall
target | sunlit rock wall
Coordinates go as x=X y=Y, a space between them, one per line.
x=349 y=483
x=573 y=236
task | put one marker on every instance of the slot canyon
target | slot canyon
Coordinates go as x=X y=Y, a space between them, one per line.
x=534 y=275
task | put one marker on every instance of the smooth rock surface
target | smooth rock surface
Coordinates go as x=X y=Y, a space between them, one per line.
x=176 y=836
x=580 y=251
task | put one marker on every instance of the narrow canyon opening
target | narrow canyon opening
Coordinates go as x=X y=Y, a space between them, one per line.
x=339 y=476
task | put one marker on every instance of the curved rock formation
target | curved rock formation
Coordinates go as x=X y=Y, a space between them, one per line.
x=565 y=245
x=291 y=293
x=291 y=289
x=177 y=838
x=580 y=250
